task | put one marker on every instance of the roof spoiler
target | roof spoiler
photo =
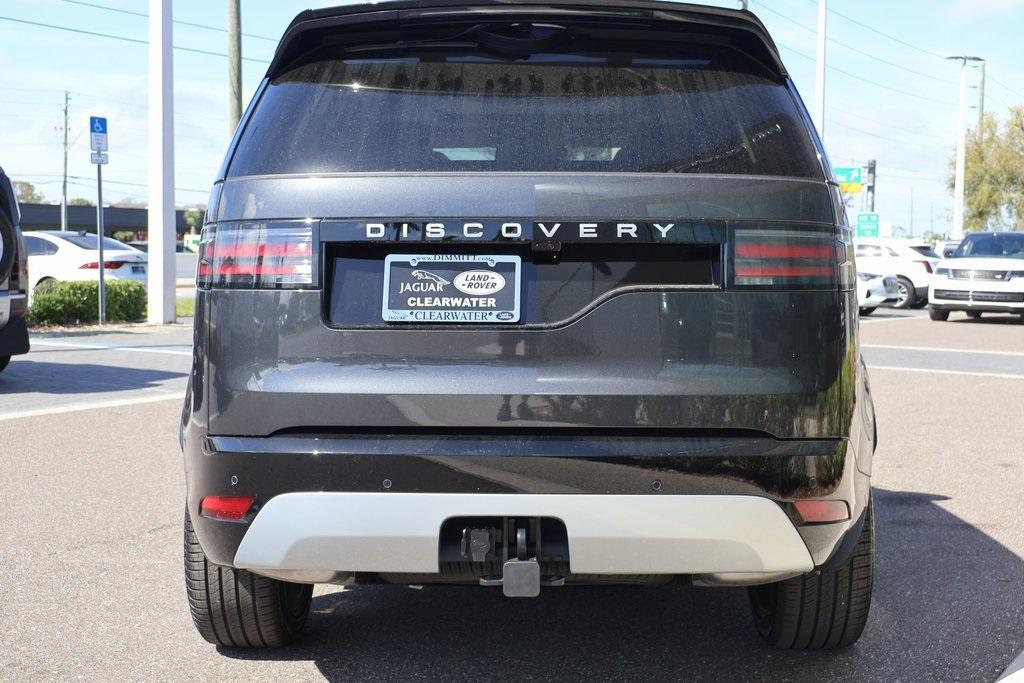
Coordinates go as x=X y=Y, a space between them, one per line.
x=402 y=11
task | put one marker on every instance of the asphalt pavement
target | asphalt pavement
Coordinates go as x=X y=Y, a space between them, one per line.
x=90 y=530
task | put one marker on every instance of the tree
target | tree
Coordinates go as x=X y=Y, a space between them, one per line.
x=129 y=203
x=194 y=220
x=994 y=175
x=27 y=193
x=79 y=201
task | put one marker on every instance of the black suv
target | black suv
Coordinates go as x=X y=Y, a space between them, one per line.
x=524 y=295
x=13 y=277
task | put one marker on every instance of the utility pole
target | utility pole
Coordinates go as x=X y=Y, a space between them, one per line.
x=234 y=62
x=819 y=71
x=981 y=100
x=869 y=183
x=957 y=231
x=160 y=268
x=64 y=186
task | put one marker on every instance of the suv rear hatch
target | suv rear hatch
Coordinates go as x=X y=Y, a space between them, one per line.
x=645 y=180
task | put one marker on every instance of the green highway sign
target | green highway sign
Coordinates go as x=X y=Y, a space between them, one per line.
x=849 y=178
x=867 y=224
x=847 y=174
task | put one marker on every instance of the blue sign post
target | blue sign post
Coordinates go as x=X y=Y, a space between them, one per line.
x=98 y=144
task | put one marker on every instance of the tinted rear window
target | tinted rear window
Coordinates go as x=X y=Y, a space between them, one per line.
x=681 y=110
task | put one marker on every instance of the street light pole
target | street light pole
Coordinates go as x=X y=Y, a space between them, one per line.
x=957 y=231
x=160 y=266
x=819 y=71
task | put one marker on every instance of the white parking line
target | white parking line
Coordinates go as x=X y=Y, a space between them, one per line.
x=108 y=347
x=945 y=372
x=940 y=349
x=93 y=405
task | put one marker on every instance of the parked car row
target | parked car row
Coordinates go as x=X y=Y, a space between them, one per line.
x=911 y=263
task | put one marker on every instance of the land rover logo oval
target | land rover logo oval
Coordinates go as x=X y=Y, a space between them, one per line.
x=479 y=282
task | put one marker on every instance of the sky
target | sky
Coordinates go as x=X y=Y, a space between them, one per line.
x=889 y=93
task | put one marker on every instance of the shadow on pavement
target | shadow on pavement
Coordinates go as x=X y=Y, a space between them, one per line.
x=990 y=319
x=946 y=606
x=31 y=376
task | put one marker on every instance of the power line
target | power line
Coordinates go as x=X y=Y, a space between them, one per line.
x=883 y=137
x=882 y=33
x=857 y=49
x=176 y=21
x=91 y=181
x=868 y=80
x=1005 y=87
x=124 y=39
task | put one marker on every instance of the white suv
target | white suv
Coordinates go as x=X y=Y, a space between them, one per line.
x=912 y=263
x=986 y=274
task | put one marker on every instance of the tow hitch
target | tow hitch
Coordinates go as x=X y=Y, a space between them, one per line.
x=518 y=554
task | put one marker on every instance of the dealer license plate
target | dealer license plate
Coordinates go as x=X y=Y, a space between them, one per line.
x=451 y=288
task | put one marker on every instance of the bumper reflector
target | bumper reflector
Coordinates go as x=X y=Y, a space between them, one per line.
x=225 y=507
x=818 y=511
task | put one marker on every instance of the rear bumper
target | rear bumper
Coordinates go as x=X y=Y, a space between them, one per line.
x=316 y=536
x=715 y=508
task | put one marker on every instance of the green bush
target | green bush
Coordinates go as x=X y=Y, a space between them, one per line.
x=76 y=303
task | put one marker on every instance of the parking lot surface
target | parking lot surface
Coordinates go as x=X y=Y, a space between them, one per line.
x=91 y=577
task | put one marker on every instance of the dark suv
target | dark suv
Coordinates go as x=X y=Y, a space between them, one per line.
x=524 y=295
x=13 y=277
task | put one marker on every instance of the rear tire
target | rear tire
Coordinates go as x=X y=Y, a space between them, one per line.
x=868 y=311
x=936 y=314
x=974 y=314
x=236 y=608
x=4 y=360
x=820 y=610
x=908 y=296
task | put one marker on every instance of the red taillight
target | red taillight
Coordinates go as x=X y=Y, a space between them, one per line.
x=765 y=257
x=232 y=508
x=820 y=511
x=256 y=256
x=927 y=266
x=107 y=265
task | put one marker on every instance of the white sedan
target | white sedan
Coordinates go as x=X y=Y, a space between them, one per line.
x=54 y=256
x=874 y=291
x=912 y=263
x=985 y=275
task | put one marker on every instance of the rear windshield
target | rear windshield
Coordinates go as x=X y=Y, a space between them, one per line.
x=925 y=250
x=684 y=110
x=1009 y=244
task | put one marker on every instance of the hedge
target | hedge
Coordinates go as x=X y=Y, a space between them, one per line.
x=75 y=303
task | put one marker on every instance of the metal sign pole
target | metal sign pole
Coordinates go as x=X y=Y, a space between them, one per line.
x=99 y=240
x=98 y=144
